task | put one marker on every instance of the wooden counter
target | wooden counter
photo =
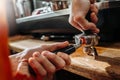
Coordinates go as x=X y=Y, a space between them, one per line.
x=104 y=67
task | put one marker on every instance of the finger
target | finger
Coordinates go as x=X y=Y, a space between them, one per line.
x=44 y=62
x=94 y=8
x=87 y=25
x=83 y=22
x=93 y=17
x=93 y=27
x=56 y=60
x=50 y=47
x=55 y=46
x=75 y=24
x=65 y=57
x=37 y=67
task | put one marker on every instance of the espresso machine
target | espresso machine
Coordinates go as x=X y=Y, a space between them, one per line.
x=56 y=23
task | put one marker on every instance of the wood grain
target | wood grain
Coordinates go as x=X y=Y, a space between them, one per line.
x=103 y=67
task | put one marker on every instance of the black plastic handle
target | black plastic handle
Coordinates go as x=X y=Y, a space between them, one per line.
x=68 y=50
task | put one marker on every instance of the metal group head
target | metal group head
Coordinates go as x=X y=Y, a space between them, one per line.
x=89 y=41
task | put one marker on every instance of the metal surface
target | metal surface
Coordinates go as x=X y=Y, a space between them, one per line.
x=89 y=42
x=43 y=16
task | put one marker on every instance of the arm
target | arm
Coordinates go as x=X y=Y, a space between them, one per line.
x=79 y=10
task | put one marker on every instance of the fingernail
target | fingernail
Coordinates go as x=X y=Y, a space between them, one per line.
x=96 y=31
x=32 y=62
x=36 y=54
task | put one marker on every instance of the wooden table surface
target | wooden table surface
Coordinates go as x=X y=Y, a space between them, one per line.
x=106 y=66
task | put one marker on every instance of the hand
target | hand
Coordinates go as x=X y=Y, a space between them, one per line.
x=39 y=59
x=79 y=10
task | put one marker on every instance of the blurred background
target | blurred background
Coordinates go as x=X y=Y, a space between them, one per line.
x=25 y=8
x=46 y=17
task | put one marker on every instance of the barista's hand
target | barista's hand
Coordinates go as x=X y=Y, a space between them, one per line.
x=43 y=62
x=79 y=10
x=46 y=62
